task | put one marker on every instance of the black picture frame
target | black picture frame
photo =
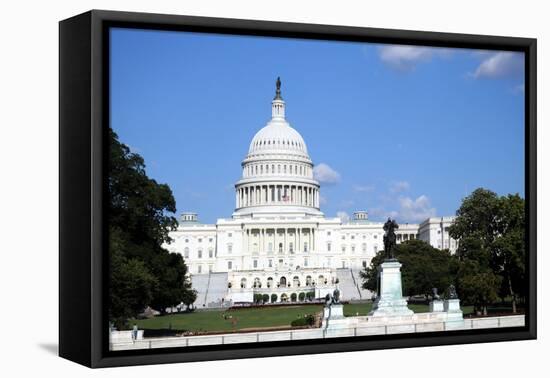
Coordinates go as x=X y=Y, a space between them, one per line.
x=83 y=116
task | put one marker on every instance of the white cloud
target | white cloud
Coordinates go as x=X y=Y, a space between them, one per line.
x=363 y=188
x=500 y=64
x=519 y=89
x=325 y=174
x=399 y=186
x=414 y=210
x=344 y=217
x=405 y=58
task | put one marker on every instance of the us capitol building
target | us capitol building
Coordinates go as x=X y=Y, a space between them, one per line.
x=278 y=242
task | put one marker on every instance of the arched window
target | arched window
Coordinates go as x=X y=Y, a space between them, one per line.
x=186 y=252
x=243 y=282
x=321 y=280
x=296 y=281
x=280 y=247
x=257 y=282
x=269 y=281
x=282 y=281
x=210 y=252
x=308 y=281
x=200 y=253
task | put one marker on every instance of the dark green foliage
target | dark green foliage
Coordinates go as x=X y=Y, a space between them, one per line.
x=310 y=295
x=491 y=230
x=301 y=296
x=257 y=298
x=273 y=298
x=424 y=267
x=142 y=272
x=265 y=298
x=302 y=321
x=293 y=297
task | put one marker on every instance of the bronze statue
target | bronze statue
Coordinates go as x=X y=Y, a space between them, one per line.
x=336 y=296
x=278 y=91
x=436 y=296
x=452 y=292
x=390 y=238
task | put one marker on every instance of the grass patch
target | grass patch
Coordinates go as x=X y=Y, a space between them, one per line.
x=234 y=320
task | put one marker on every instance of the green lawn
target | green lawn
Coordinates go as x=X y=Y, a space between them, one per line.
x=213 y=321
x=249 y=318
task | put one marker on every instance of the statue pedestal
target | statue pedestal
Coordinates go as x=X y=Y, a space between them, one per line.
x=436 y=306
x=336 y=324
x=390 y=301
x=455 y=320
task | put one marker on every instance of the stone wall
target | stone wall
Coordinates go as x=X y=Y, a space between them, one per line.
x=355 y=329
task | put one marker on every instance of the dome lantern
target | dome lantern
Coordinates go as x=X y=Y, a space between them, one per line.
x=278 y=105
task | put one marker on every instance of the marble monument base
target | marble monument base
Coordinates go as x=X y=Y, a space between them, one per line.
x=390 y=301
x=436 y=306
x=455 y=320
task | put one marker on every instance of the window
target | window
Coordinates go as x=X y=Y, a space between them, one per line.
x=305 y=261
x=200 y=240
x=230 y=234
x=364 y=263
x=230 y=265
x=280 y=247
x=352 y=237
x=210 y=240
x=229 y=248
x=353 y=248
x=343 y=237
x=200 y=253
x=187 y=240
x=269 y=247
x=255 y=263
x=210 y=253
x=343 y=264
x=343 y=248
x=329 y=245
x=364 y=247
x=291 y=247
x=270 y=263
x=305 y=246
x=186 y=252
x=375 y=249
x=199 y=269
x=328 y=233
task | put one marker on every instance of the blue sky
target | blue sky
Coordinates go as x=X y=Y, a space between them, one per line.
x=395 y=130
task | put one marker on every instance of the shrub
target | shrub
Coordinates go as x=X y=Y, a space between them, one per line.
x=302 y=296
x=257 y=298
x=273 y=298
x=310 y=295
x=293 y=297
x=265 y=298
x=306 y=320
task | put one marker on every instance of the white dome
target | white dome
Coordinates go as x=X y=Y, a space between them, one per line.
x=278 y=138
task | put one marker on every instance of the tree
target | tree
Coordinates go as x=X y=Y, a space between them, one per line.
x=301 y=296
x=189 y=297
x=491 y=230
x=273 y=298
x=140 y=220
x=423 y=268
x=265 y=298
x=293 y=297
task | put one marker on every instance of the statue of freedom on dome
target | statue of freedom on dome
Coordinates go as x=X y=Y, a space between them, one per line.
x=390 y=238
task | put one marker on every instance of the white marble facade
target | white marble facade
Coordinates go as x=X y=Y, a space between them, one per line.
x=277 y=238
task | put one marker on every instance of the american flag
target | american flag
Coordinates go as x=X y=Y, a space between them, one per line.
x=286 y=198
